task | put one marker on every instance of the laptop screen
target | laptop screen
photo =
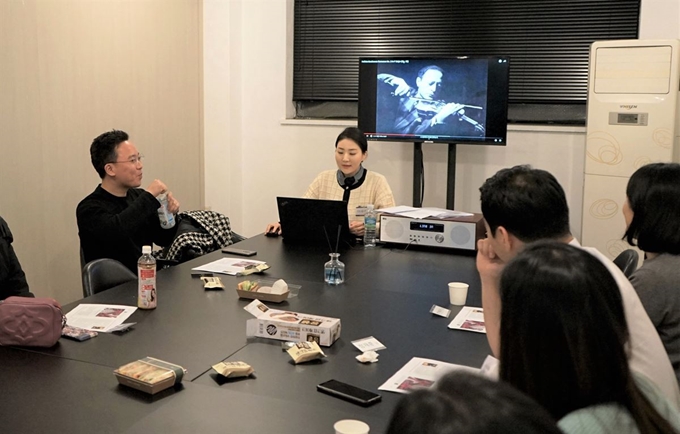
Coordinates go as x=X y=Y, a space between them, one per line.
x=313 y=221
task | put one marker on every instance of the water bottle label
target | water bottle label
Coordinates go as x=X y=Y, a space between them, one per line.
x=370 y=222
x=166 y=218
x=360 y=210
x=147 y=289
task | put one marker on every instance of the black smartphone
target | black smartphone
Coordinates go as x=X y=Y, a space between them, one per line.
x=240 y=252
x=349 y=393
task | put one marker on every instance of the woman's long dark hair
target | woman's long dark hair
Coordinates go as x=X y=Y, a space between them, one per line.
x=464 y=403
x=564 y=334
x=653 y=194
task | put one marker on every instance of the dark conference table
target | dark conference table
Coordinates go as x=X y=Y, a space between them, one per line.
x=388 y=293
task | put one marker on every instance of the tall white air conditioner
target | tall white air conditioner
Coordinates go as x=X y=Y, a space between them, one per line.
x=633 y=119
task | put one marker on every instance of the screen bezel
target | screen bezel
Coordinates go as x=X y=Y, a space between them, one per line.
x=494 y=85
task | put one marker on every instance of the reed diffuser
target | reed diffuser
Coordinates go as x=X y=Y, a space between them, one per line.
x=334 y=270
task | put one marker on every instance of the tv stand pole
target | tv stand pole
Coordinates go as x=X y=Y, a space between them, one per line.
x=451 y=178
x=418 y=175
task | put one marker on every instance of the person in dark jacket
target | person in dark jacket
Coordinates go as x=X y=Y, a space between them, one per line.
x=12 y=277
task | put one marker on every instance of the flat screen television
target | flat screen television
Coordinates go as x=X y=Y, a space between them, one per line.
x=448 y=100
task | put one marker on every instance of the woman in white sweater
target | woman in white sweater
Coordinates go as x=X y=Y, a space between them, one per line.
x=351 y=182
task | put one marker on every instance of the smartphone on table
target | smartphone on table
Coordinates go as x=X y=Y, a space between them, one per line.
x=349 y=393
x=240 y=252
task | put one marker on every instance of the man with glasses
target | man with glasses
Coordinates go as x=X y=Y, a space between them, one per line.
x=118 y=218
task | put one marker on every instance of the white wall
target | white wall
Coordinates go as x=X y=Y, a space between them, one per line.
x=70 y=70
x=253 y=153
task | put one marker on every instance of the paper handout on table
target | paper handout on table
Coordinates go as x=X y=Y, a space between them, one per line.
x=99 y=317
x=421 y=213
x=397 y=209
x=421 y=373
x=470 y=319
x=441 y=213
x=231 y=266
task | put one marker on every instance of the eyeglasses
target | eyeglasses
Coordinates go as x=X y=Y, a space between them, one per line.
x=134 y=160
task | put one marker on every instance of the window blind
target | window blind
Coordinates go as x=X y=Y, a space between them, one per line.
x=548 y=42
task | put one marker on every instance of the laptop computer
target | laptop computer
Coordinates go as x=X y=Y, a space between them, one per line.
x=303 y=221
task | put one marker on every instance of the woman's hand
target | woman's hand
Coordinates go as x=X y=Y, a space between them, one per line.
x=356 y=228
x=273 y=228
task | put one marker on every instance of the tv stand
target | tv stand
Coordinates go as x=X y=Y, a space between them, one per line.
x=418 y=175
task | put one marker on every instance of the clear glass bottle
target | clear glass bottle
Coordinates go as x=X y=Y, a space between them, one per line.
x=334 y=270
x=370 y=222
x=146 y=273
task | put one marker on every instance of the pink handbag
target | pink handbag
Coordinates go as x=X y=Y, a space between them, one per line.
x=33 y=322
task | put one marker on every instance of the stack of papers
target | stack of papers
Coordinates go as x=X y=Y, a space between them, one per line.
x=231 y=266
x=421 y=213
x=99 y=317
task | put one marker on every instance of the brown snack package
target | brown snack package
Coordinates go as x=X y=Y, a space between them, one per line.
x=210 y=282
x=305 y=351
x=233 y=369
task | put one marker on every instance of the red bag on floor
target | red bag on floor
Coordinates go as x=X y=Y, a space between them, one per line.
x=31 y=322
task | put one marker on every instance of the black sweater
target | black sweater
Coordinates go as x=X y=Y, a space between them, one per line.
x=12 y=277
x=117 y=227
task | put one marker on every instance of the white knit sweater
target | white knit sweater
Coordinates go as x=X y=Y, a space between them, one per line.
x=375 y=190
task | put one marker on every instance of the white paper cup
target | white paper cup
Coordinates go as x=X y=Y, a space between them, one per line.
x=458 y=293
x=351 y=426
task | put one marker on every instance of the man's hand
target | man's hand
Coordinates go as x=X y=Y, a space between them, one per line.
x=402 y=88
x=156 y=187
x=173 y=204
x=489 y=265
x=356 y=228
x=273 y=228
x=446 y=111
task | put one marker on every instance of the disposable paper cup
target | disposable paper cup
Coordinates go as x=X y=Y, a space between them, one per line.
x=351 y=426
x=458 y=293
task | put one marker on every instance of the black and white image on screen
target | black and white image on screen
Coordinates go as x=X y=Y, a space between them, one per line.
x=421 y=98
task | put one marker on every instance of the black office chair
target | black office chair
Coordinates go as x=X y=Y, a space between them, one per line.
x=627 y=261
x=102 y=274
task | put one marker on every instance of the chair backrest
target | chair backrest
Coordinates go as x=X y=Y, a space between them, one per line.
x=105 y=273
x=627 y=261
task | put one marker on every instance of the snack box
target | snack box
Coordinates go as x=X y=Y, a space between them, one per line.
x=264 y=296
x=254 y=295
x=150 y=375
x=294 y=327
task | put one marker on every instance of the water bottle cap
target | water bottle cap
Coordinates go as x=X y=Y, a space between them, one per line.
x=370 y=207
x=146 y=250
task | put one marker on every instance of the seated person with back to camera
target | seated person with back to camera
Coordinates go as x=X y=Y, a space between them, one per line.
x=351 y=182
x=522 y=205
x=652 y=215
x=565 y=342
x=118 y=218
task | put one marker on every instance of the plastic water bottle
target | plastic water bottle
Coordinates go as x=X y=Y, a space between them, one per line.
x=369 y=227
x=146 y=273
x=166 y=218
